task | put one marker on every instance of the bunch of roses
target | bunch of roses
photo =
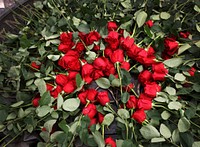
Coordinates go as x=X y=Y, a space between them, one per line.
x=119 y=53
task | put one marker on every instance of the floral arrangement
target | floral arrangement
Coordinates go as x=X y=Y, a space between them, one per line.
x=130 y=80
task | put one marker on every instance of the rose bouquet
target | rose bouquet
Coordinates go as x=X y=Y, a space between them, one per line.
x=117 y=83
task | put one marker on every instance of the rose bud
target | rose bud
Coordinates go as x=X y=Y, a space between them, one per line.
x=184 y=34
x=103 y=98
x=90 y=111
x=96 y=48
x=86 y=72
x=109 y=141
x=79 y=47
x=150 y=51
x=145 y=76
x=132 y=102
x=61 y=79
x=117 y=56
x=91 y=94
x=93 y=121
x=171 y=46
x=192 y=71
x=112 y=26
x=82 y=97
x=159 y=68
x=125 y=65
x=139 y=116
x=145 y=104
x=113 y=40
x=54 y=93
x=149 y=23
x=49 y=87
x=64 y=47
x=70 y=86
x=108 y=52
x=151 y=89
x=99 y=63
x=96 y=74
x=35 y=65
x=127 y=43
x=158 y=76
x=100 y=117
x=35 y=101
x=92 y=37
x=66 y=42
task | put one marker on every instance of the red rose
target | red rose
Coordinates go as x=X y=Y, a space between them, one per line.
x=82 y=97
x=117 y=56
x=111 y=26
x=133 y=51
x=132 y=102
x=125 y=65
x=150 y=51
x=92 y=37
x=112 y=40
x=103 y=98
x=151 y=89
x=144 y=102
x=82 y=36
x=93 y=121
x=171 y=46
x=91 y=95
x=49 y=87
x=192 y=71
x=99 y=63
x=184 y=34
x=96 y=74
x=86 y=72
x=35 y=101
x=96 y=48
x=127 y=43
x=108 y=52
x=144 y=58
x=90 y=111
x=139 y=116
x=159 y=68
x=35 y=65
x=145 y=76
x=61 y=79
x=70 y=86
x=70 y=61
x=66 y=42
x=110 y=68
x=79 y=47
x=158 y=76
x=149 y=23
x=109 y=141
x=54 y=93
x=100 y=117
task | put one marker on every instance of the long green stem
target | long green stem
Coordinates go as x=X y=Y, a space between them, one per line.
x=120 y=78
x=194 y=124
x=103 y=130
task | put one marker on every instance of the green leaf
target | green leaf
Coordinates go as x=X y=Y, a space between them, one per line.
x=103 y=83
x=164 y=130
x=123 y=113
x=196 y=144
x=149 y=132
x=183 y=48
x=183 y=124
x=164 y=15
x=148 y=32
x=179 y=77
x=71 y=104
x=165 y=115
x=84 y=28
x=186 y=139
x=78 y=80
x=128 y=143
x=125 y=96
x=175 y=136
x=173 y=62
x=21 y=113
x=62 y=22
x=141 y=18
x=11 y=116
x=158 y=139
x=119 y=142
x=196 y=87
x=98 y=138
x=38 y=4
x=63 y=125
x=17 y=104
x=126 y=77
x=45 y=99
x=42 y=111
x=108 y=119
x=115 y=83
x=174 y=105
x=90 y=56
x=198 y=27
x=126 y=4
x=4 y=115
x=183 y=91
x=59 y=101
x=54 y=136
x=49 y=125
x=53 y=57
x=170 y=90
x=40 y=83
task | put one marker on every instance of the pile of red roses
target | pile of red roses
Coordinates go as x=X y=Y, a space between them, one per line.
x=86 y=57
